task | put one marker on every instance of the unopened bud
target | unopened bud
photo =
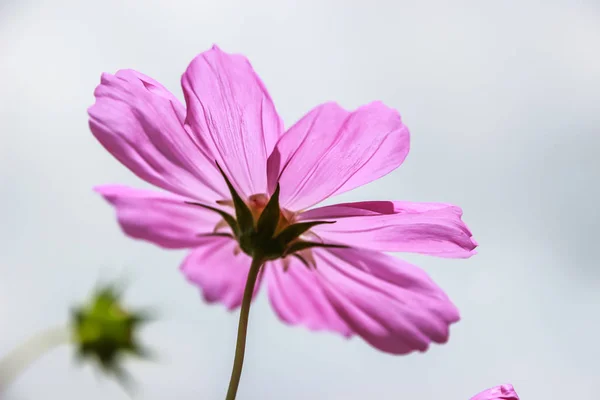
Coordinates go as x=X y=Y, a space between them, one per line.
x=105 y=331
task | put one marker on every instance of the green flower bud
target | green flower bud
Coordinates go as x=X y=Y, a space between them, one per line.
x=104 y=331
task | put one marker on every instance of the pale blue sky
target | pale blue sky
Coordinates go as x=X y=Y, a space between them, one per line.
x=502 y=102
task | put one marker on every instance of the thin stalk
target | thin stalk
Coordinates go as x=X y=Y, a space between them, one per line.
x=240 y=346
x=21 y=357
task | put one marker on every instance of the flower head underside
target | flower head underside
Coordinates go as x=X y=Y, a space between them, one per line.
x=263 y=230
x=239 y=186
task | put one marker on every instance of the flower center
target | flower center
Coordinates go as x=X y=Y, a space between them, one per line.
x=263 y=229
x=257 y=203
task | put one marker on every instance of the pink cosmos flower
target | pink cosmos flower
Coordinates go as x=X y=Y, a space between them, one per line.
x=329 y=272
x=502 y=392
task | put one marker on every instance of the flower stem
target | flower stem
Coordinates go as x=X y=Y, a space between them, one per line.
x=27 y=352
x=240 y=346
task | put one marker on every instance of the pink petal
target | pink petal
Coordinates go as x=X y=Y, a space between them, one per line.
x=298 y=298
x=426 y=228
x=391 y=304
x=160 y=218
x=219 y=271
x=331 y=150
x=141 y=124
x=502 y=392
x=232 y=115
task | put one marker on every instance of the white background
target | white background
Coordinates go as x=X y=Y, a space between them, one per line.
x=502 y=99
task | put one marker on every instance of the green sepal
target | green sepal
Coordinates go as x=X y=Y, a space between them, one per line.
x=216 y=234
x=303 y=260
x=269 y=218
x=228 y=218
x=124 y=379
x=299 y=246
x=295 y=230
x=242 y=212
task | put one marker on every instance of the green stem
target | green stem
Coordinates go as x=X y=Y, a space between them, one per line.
x=23 y=355
x=240 y=346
